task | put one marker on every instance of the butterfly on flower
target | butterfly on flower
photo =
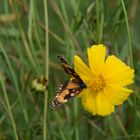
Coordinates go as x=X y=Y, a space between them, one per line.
x=69 y=88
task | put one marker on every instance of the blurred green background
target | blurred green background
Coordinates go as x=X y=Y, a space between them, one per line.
x=72 y=27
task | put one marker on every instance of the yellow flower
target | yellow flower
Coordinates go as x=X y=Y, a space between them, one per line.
x=106 y=80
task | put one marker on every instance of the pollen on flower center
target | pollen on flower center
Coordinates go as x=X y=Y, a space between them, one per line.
x=98 y=83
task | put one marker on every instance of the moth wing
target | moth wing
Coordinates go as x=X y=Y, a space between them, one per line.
x=65 y=92
x=68 y=69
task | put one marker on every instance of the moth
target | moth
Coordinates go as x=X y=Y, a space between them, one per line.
x=68 y=89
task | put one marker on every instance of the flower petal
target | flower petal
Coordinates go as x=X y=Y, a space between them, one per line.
x=96 y=58
x=117 y=72
x=104 y=107
x=88 y=99
x=117 y=95
x=81 y=68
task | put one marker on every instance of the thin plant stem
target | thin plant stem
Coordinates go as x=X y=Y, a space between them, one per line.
x=9 y=107
x=131 y=61
x=30 y=31
x=76 y=116
x=64 y=10
x=15 y=83
x=46 y=69
x=97 y=15
x=26 y=45
x=100 y=22
x=128 y=32
x=122 y=127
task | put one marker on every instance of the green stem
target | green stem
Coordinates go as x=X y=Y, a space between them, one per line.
x=98 y=25
x=31 y=25
x=122 y=127
x=27 y=48
x=15 y=83
x=76 y=117
x=131 y=61
x=46 y=70
x=128 y=33
x=9 y=107
x=62 y=4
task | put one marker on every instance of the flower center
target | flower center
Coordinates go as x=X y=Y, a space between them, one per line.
x=98 y=83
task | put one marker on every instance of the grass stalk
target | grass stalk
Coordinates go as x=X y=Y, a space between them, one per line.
x=46 y=69
x=65 y=25
x=98 y=24
x=64 y=11
x=131 y=60
x=15 y=83
x=31 y=26
x=23 y=36
x=122 y=128
x=13 y=105
x=76 y=118
x=9 y=107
